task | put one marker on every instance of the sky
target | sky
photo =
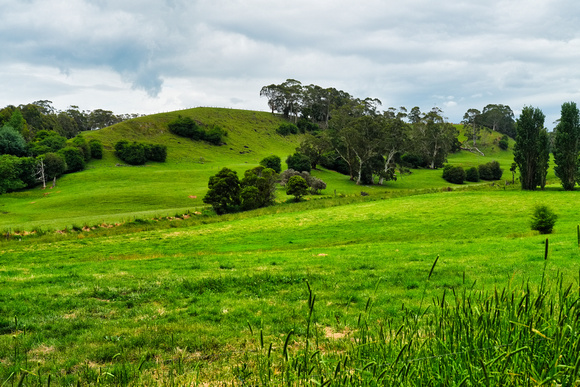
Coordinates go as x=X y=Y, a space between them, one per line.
x=150 y=56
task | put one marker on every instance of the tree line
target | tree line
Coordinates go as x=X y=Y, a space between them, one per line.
x=352 y=135
x=39 y=143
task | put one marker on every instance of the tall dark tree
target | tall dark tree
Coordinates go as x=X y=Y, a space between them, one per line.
x=284 y=98
x=528 y=147
x=566 y=145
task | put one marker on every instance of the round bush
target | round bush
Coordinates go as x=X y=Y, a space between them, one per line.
x=472 y=174
x=455 y=175
x=543 y=219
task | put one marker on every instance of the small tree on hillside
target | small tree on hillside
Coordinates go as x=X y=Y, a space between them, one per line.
x=274 y=162
x=297 y=187
x=224 y=191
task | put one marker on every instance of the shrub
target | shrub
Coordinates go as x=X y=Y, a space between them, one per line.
x=490 y=171
x=287 y=128
x=73 y=157
x=155 y=152
x=11 y=142
x=299 y=162
x=297 y=187
x=543 y=219
x=413 y=161
x=272 y=162
x=455 y=175
x=96 y=149
x=472 y=174
x=80 y=142
x=304 y=125
x=131 y=153
x=504 y=142
x=214 y=135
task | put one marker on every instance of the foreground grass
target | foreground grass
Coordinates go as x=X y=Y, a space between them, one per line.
x=188 y=302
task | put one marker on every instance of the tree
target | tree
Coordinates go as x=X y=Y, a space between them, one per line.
x=395 y=141
x=543 y=158
x=499 y=118
x=299 y=162
x=314 y=147
x=566 y=149
x=297 y=187
x=274 y=162
x=73 y=157
x=433 y=138
x=96 y=149
x=264 y=181
x=10 y=172
x=224 y=191
x=470 y=123
x=11 y=141
x=527 y=148
x=284 y=98
x=455 y=175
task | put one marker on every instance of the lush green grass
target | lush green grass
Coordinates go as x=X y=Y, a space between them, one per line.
x=183 y=301
x=189 y=293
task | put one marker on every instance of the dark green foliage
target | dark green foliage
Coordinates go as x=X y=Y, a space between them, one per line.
x=96 y=149
x=10 y=172
x=155 y=152
x=504 y=142
x=73 y=157
x=131 y=153
x=250 y=198
x=490 y=171
x=45 y=141
x=528 y=147
x=287 y=128
x=543 y=219
x=224 y=192
x=80 y=142
x=186 y=127
x=566 y=145
x=11 y=142
x=54 y=165
x=472 y=174
x=331 y=160
x=26 y=171
x=412 y=160
x=264 y=180
x=138 y=153
x=455 y=175
x=274 y=162
x=299 y=162
x=297 y=187
x=304 y=125
x=214 y=135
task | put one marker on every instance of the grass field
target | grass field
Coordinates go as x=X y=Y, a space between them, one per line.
x=338 y=289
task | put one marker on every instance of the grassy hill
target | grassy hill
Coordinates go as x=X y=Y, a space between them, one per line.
x=109 y=193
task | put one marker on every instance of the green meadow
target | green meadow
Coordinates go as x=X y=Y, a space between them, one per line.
x=413 y=284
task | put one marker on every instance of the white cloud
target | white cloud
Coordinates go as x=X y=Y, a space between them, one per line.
x=146 y=56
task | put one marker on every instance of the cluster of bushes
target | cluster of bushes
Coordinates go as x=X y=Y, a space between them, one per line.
x=137 y=153
x=314 y=184
x=457 y=175
x=302 y=126
x=227 y=193
x=50 y=156
x=299 y=162
x=186 y=127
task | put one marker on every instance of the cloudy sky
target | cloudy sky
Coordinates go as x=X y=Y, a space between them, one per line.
x=148 y=56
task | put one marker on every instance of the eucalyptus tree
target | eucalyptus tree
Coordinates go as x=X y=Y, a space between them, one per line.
x=499 y=118
x=394 y=139
x=566 y=152
x=433 y=137
x=470 y=122
x=284 y=98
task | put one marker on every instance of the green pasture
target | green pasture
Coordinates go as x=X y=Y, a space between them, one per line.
x=200 y=292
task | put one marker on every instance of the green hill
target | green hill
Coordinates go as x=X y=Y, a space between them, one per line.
x=108 y=191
